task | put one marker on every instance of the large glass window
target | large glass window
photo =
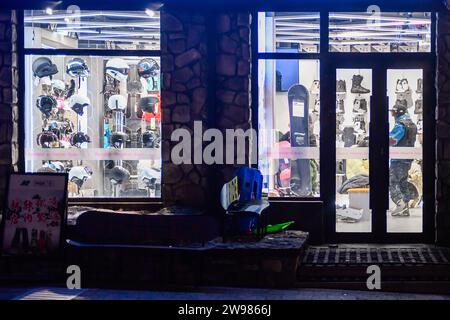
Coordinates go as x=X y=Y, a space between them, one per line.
x=289 y=32
x=76 y=29
x=289 y=127
x=367 y=32
x=96 y=117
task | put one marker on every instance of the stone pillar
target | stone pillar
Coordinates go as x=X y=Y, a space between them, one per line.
x=233 y=74
x=8 y=97
x=201 y=54
x=183 y=96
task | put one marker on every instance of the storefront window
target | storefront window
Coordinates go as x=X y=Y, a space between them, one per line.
x=380 y=32
x=95 y=117
x=289 y=32
x=76 y=29
x=289 y=127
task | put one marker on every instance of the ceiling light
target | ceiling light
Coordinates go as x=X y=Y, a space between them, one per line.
x=150 y=12
x=49 y=11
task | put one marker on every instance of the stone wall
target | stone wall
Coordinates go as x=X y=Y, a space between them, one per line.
x=184 y=100
x=443 y=130
x=187 y=62
x=233 y=74
x=8 y=97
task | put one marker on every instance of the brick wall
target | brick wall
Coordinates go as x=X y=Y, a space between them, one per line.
x=8 y=97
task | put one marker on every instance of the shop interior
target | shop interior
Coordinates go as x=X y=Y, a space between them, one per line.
x=372 y=32
x=96 y=117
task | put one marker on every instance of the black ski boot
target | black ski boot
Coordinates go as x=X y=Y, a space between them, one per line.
x=340 y=106
x=356 y=85
x=419 y=86
x=341 y=86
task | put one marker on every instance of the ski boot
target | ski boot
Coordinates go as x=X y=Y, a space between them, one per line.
x=418 y=109
x=349 y=137
x=360 y=106
x=315 y=87
x=402 y=86
x=419 y=86
x=356 y=85
x=340 y=106
x=341 y=86
x=401 y=210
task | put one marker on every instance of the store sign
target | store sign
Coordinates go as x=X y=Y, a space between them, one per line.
x=34 y=214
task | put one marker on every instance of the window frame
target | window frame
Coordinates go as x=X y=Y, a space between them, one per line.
x=327 y=59
x=21 y=53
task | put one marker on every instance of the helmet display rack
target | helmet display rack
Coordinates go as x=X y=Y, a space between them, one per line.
x=72 y=109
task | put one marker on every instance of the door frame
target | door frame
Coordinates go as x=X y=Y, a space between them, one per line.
x=379 y=146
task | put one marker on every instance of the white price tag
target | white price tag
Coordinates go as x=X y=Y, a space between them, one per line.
x=298 y=108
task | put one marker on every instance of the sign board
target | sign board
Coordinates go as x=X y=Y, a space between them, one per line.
x=34 y=214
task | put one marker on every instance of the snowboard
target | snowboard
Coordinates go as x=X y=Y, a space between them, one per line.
x=298 y=99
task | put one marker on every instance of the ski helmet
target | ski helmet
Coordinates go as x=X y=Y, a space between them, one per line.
x=43 y=67
x=67 y=127
x=117 y=68
x=58 y=166
x=150 y=176
x=79 y=175
x=77 y=67
x=46 y=104
x=46 y=138
x=71 y=89
x=150 y=139
x=78 y=102
x=118 y=139
x=147 y=104
x=148 y=68
x=59 y=87
x=46 y=169
x=79 y=138
x=117 y=102
x=119 y=175
x=400 y=107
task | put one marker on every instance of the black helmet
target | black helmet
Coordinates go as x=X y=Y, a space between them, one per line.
x=148 y=68
x=77 y=67
x=118 y=139
x=119 y=175
x=67 y=127
x=400 y=107
x=147 y=104
x=150 y=139
x=78 y=138
x=46 y=104
x=78 y=102
x=46 y=138
x=43 y=67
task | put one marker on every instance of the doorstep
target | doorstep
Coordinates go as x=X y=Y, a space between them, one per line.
x=407 y=268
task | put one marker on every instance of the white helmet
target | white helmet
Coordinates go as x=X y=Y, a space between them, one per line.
x=79 y=175
x=78 y=102
x=58 y=84
x=45 y=81
x=117 y=68
x=117 y=102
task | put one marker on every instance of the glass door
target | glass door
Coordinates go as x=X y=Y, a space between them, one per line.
x=405 y=114
x=384 y=151
x=353 y=105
